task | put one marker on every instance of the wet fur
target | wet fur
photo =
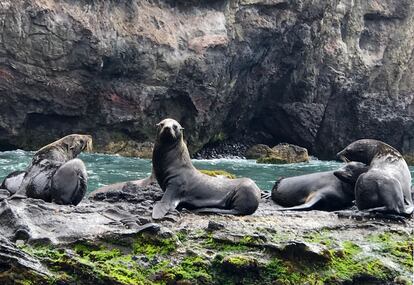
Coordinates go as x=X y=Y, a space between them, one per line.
x=386 y=187
x=184 y=185
x=327 y=191
x=47 y=161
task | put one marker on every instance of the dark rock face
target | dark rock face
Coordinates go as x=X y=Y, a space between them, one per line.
x=318 y=74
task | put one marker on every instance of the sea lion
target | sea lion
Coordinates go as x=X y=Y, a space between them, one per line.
x=386 y=186
x=327 y=191
x=120 y=185
x=185 y=186
x=54 y=174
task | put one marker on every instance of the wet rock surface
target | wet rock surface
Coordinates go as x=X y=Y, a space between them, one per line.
x=111 y=239
x=319 y=74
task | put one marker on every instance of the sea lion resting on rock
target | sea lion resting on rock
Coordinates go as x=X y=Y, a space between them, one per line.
x=120 y=185
x=55 y=174
x=386 y=186
x=185 y=186
x=327 y=191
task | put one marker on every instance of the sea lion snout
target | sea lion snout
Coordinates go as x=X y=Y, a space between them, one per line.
x=87 y=142
x=351 y=171
x=341 y=156
x=169 y=130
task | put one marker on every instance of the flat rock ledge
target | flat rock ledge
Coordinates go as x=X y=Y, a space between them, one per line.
x=111 y=239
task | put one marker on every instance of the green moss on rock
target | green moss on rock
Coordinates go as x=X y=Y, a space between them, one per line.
x=239 y=262
x=216 y=173
x=193 y=269
x=399 y=246
x=150 y=245
x=200 y=257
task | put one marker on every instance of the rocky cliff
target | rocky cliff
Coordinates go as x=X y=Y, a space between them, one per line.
x=315 y=73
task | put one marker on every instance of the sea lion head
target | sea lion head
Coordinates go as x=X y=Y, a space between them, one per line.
x=350 y=172
x=361 y=150
x=78 y=143
x=169 y=131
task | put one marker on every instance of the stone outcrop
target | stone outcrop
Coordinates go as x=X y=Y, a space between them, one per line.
x=257 y=151
x=279 y=154
x=319 y=74
x=111 y=239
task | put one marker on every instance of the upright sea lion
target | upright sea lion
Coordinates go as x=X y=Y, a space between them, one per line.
x=327 y=191
x=386 y=186
x=185 y=186
x=54 y=174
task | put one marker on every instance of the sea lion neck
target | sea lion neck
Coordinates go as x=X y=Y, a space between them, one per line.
x=376 y=149
x=169 y=158
x=52 y=152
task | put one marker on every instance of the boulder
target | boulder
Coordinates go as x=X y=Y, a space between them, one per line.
x=258 y=151
x=282 y=153
x=130 y=148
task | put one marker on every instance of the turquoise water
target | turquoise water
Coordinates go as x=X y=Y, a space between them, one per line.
x=107 y=169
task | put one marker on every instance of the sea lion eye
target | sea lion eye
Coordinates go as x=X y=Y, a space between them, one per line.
x=175 y=127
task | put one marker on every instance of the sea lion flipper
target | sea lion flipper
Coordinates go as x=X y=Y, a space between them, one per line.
x=69 y=183
x=160 y=210
x=217 y=211
x=308 y=206
x=167 y=203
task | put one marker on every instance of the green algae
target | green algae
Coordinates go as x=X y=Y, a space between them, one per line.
x=347 y=263
x=320 y=237
x=151 y=246
x=397 y=245
x=148 y=259
x=216 y=173
x=220 y=245
x=192 y=269
x=240 y=262
x=99 y=262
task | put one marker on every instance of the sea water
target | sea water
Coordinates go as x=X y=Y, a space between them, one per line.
x=106 y=169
